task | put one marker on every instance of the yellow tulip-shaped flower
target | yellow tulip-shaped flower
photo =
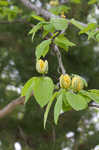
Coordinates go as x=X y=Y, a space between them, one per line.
x=42 y=66
x=62 y=15
x=77 y=83
x=54 y=3
x=65 y=81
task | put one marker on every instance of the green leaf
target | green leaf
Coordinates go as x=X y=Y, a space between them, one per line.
x=97 y=37
x=35 y=29
x=57 y=108
x=86 y=98
x=66 y=106
x=63 y=8
x=43 y=48
x=59 y=23
x=94 y=91
x=92 y=34
x=77 y=101
x=43 y=89
x=91 y=26
x=49 y=27
x=44 y=33
x=91 y=95
x=89 y=30
x=26 y=86
x=38 y=17
x=29 y=93
x=63 y=42
x=77 y=24
x=59 y=9
x=48 y=108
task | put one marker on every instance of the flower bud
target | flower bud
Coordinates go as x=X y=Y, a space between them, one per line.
x=53 y=3
x=77 y=83
x=62 y=15
x=42 y=66
x=65 y=81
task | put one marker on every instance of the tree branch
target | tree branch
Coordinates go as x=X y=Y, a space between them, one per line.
x=11 y=106
x=64 y=2
x=14 y=21
x=93 y=105
x=21 y=21
x=38 y=10
x=46 y=14
x=58 y=54
x=19 y=101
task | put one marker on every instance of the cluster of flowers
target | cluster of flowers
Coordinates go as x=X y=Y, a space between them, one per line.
x=76 y=82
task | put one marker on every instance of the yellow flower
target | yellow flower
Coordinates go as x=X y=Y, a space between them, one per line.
x=65 y=81
x=62 y=15
x=77 y=83
x=42 y=66
x=53 y=3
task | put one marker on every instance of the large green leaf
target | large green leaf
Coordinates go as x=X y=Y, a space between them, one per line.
x=58 y=108
x=26 y=86
x=59 y=23
x=43 y=48
x=43 y=89
x=48 y=108
x=77 y=101
x=63 y=42
x=93 y=96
